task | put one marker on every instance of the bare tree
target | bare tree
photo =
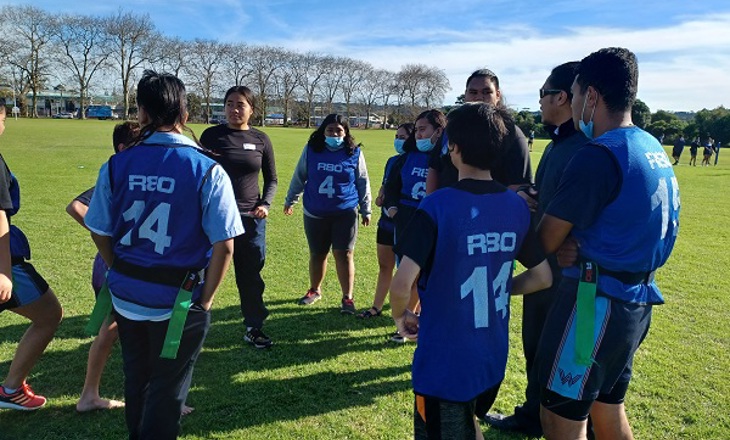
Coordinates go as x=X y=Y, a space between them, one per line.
x=332 y=79
x=264 y=61
x=353 y=75
x=375 y=87
x=25 y=39
x=203 y=68
x=171 y=53
x=288 y=78
x=237 y=63
x=83 y=50
x=434 y=87
x=131 y=38
x=314 y=67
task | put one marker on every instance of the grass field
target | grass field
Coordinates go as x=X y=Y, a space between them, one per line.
x=330 y=376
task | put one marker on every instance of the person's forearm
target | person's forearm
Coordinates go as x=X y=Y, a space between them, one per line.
x=219 y=262
x=77 y=211
x=106 y=249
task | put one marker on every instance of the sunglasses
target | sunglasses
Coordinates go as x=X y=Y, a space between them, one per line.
x=544 y=92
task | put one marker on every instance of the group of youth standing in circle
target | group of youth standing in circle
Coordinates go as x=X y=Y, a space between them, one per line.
x=169 y=213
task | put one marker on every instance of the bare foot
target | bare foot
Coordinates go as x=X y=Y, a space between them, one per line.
x=187 y=410
x=86 y=405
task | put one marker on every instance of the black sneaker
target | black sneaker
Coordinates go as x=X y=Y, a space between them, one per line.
x=396 y=338
x=257 y=338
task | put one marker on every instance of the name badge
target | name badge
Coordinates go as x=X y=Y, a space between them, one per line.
x=249 y=146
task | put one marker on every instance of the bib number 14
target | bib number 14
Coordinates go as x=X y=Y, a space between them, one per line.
x=478 y=286
x=153 y=227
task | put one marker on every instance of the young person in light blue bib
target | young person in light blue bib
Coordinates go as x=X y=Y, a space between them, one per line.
x=163 y=216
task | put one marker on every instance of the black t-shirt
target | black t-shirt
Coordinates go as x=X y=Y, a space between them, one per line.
x=592 y=180
x=513 y=168
x=6 y=203
x=419 y=240
x=243 y=153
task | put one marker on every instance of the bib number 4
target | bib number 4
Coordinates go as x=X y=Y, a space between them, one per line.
x=152 y=228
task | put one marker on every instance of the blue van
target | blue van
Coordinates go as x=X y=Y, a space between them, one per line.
x=99 y=112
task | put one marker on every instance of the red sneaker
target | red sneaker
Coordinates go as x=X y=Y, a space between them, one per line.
x=310 y=297
x=23 y=399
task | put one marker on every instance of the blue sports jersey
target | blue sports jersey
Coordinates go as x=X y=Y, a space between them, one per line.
x=463 y=330
x=162 y=203
x=19 y=246
x=637 y=230
x=330 y=187
x=413 y=178
x=386 y=223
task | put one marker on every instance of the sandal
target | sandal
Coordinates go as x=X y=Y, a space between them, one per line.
x=369 y=313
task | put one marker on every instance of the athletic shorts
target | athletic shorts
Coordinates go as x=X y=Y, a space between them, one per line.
x=98 y=274
x=28 y=286
x=619 y=330
x=385 y=237
x=337 y=231
x=436 y=419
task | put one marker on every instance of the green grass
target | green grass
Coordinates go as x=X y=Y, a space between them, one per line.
x=330 y=376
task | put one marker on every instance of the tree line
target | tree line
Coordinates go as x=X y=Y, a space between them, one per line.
x=88 y=53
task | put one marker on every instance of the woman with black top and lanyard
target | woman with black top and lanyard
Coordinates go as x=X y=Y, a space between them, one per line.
x=244 y=152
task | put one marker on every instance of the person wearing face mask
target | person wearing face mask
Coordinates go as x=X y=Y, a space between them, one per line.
x=513 y=168
x=407 y=185
x=613 y=222
x=385 y=236
x=332 y=174
x=245 y=152
x=555 y=98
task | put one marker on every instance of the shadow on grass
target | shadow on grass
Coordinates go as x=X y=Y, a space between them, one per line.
x=304 y=338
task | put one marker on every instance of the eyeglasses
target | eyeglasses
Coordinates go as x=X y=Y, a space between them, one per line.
x=544 y=92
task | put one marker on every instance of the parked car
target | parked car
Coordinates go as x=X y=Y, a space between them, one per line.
x=63 y=115
x=218 y=120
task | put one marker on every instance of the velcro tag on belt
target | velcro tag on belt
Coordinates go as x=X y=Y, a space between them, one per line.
x=179 y=315
x=102 y=310
x=586 y=313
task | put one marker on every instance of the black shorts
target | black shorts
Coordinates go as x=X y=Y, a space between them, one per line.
x=436 y=419
x=337 y=231
x=569 y=388
x=385 y=237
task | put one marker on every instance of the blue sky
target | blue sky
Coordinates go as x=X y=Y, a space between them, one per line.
x=683 y=46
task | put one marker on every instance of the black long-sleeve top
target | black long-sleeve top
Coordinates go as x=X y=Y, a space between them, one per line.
x=243 y=154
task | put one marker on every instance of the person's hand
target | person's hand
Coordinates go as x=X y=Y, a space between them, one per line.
x=407 y=325
x=366 y=220
x=379 y=200
x=567 y=253
x=392 y=211
x=288 y=210
x=529 y=194
x=260 y=212
x=6 y=289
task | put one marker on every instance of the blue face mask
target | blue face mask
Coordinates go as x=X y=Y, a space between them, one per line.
x=398 y=144
x=424 y=145
x=334 y=143
x=587 y=129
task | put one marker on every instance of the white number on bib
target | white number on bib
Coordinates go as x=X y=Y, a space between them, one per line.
x=327 y=187
x=159 y=217
x=477 y=284
x=660 y=199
